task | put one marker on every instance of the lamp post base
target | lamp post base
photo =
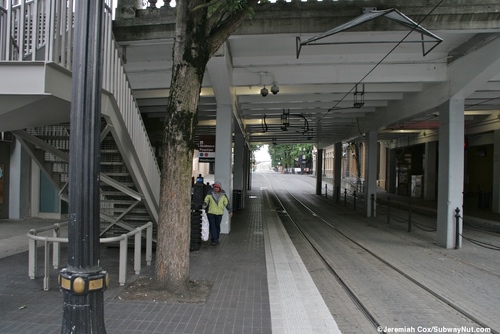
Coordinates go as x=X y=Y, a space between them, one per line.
x=83 y=309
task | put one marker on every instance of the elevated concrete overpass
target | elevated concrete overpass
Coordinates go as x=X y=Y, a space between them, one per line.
x=383 y=61
x=426 y=74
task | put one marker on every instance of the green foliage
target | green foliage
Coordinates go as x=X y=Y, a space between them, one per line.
x=286 y=154
x=255 y=147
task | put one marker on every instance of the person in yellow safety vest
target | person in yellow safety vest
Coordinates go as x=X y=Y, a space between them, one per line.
x=214 y=203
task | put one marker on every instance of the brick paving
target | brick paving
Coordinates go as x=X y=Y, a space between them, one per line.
x=248 y=297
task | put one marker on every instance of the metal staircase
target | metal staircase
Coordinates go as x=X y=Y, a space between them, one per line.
x=36 y=109
x=122 y=206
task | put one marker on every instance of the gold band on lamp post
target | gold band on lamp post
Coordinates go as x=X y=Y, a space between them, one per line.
x=83 y=283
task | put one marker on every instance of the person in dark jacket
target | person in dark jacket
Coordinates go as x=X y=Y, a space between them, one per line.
x=214 y=203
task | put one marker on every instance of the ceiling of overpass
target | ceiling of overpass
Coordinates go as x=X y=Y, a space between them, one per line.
x=360 y=81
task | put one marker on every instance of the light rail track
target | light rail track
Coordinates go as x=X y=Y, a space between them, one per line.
x=311 y=226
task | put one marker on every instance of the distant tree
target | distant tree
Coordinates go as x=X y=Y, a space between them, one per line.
x=202 y=26
x=286 y=154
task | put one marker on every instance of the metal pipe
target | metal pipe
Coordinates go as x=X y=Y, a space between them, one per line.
x=457 y=228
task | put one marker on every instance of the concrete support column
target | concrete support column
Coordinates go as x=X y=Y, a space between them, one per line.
x=382 y=173
x=371 y=173
x=337 y=170
x=240 y=166
x=19 y=182
x=248 y=177
x=223 y=156
x=451 y=172
x=495 y=207
x=319 y=171
x=391 y=171
x=430 y=170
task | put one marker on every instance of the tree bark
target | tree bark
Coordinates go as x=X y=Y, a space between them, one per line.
x=197 y=38
x=173 y=236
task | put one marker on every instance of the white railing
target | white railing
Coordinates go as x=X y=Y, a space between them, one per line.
x=48 y=33
x=115 y=81
x=3 y=27
x=56 y=240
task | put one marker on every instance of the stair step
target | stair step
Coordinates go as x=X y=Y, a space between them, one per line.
x=113 y=202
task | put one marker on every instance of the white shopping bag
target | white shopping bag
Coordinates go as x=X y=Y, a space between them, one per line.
x=204 y=226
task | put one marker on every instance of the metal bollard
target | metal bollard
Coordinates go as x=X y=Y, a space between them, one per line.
x=326 y=190
x=354 y=199
x=345 y=197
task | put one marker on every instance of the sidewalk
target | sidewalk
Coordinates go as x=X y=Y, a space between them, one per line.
x=249 y=295
x=13 y=239
x=261 y=285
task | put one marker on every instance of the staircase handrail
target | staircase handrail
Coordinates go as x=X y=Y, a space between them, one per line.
x=56 y=240
x=116 y=82
x=48 y=27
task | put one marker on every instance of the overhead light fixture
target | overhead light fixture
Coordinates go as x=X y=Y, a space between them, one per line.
x=264 y=91
x=275 y=89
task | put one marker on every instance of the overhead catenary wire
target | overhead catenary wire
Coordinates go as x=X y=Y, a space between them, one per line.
x=381 y=60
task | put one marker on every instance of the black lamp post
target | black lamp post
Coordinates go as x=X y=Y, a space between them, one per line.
x=83 y=281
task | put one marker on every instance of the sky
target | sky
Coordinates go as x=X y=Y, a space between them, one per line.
x=160 y=3
x=262 y=154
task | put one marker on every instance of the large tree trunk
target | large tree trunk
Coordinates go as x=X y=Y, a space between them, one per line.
x=197 y=37
x=172 y=251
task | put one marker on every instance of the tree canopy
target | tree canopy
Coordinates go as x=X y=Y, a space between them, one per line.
x=286 y=155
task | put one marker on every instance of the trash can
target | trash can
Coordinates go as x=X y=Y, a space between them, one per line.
x=195 y=241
